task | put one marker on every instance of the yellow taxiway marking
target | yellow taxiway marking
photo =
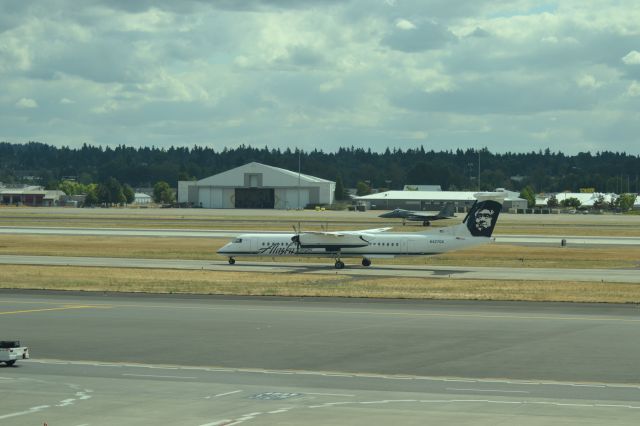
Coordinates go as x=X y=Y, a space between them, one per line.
x=62 y=308
x=477 y=315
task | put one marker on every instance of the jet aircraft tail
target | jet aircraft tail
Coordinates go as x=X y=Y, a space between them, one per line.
x=481 y=218
x=447 y=211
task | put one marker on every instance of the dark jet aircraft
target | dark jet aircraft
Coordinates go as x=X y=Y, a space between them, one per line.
x=447 y=212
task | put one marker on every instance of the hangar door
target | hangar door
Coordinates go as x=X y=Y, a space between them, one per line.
x=255 y=198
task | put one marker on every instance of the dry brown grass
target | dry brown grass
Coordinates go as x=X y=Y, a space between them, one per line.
x=205 y=248
x=130 y=247
x=239 y=283
x=339 y=285
x=568 y=225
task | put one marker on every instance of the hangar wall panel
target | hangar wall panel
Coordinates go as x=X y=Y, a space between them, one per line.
x=228 y=198
x=204 y=197
x=291 y=198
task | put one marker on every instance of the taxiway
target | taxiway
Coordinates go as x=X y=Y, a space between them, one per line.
x=140 y=359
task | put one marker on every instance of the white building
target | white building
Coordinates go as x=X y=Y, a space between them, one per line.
x=141 y=198
x=586 y=198
x=432 y=200
x=256 y=185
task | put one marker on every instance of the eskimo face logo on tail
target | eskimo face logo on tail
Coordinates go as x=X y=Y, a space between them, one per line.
x=482 y=218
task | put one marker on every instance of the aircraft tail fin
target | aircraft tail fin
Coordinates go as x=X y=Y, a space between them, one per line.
x=448 y=210
x=481 y=218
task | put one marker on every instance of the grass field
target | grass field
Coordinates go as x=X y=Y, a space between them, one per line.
x=205 y=248
x=169 y=281
x=509 y=224
x=300 y=285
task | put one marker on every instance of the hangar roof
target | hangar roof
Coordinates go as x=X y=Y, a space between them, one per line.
x=254 y=167
x=420 y=195
x=424 y=195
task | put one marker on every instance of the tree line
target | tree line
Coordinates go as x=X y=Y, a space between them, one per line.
x=112 y=192
x=469 y=169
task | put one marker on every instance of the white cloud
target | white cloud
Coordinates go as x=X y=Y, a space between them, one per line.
x=634 y=89
x=404 y=24
x=358 y=72
x=588 y=81
x=632 y=58
x=26 y=103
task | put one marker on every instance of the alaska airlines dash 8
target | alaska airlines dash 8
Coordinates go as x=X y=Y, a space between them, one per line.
x=475 y=229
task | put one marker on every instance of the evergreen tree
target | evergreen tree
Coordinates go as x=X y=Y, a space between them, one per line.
x=627 y=201
x=552 y=202
x=340 y=193
x=362 y=189
x=128 y=193
x=110 y=192
x=529 y=194
x=162 y=193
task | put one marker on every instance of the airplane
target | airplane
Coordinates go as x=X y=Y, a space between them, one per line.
x=447 y=212
x=475 y=229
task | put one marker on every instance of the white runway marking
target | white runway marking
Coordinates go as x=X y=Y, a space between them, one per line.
x=158 y=376
x=338 y=375
x=227 y=393
x=327 y=394
x=486 y=390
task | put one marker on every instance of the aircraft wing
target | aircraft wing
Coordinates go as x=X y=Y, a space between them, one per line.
x=336 y=240
x=358 y=232
x=420 y=216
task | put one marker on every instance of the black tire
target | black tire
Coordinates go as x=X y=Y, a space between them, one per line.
x=232 y=261
x=366 y=262
x=10 y=363
x=339 y=264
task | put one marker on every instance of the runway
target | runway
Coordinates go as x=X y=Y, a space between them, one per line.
x=133 y=360
x=194 y=233
x=353 y=268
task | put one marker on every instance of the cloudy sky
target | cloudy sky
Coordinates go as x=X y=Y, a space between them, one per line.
x=508 y=75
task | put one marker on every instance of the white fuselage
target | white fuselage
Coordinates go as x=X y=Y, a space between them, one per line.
x=374 y=245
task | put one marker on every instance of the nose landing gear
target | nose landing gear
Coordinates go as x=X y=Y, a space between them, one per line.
x=339 y=264
x=366 y=262
x=232 y=261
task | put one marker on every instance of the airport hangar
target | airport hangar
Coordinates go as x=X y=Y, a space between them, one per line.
x=433 y=200
x=256 y=186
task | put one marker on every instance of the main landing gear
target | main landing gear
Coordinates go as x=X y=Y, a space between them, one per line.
x=340 y=264
x=232 y=261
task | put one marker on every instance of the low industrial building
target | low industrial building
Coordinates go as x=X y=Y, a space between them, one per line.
x=142 y=198
x=432 y=200
x=255 y=186
x=34 y=196
x=587 y=199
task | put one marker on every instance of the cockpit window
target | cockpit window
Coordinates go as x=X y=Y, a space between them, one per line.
x=237 y=240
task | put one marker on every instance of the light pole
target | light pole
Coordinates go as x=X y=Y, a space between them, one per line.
x=298 y=178
x=478 y=170
x=388 y=182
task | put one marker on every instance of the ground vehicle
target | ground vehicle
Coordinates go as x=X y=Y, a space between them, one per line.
x=11 y=351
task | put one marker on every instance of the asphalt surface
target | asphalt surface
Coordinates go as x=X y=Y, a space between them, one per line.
x=137 y=360
x=200 y=233
x=353 y=268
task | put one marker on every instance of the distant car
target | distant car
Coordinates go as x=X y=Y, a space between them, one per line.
x=11 y=351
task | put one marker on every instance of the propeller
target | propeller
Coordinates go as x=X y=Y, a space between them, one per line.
x=296 y=237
